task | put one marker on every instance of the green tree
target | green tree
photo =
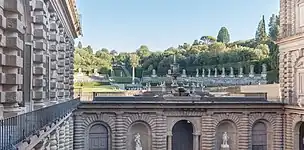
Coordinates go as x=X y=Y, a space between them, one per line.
x=223 y=35
x=273 y=25
x=143 y=51
x=261 y=35
x=79 y=45
x=89 y=49
x=208 y=40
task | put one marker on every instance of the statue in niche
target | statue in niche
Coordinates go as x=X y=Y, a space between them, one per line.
x=137 y=142
x=225 y=140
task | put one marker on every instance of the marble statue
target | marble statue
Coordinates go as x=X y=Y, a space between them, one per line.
x=154 y=73
x=169 y=73
x=184 y=74
x=137 y=142
x=203 y=73
x=251 y=73
x=215 y=72
x=264 y=71
x=96 y=72
x=163 y=87
x=225 y=140
x=231 y=72
x=223 y=72
x=209 y=72
x=197 y=73
x=241 y=72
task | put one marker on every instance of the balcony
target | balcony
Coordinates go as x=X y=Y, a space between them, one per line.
x=19 y=129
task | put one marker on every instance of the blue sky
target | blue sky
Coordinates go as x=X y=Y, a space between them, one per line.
x=124 y=25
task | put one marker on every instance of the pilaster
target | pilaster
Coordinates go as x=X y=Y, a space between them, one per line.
x=71 y=133
x=11 y=48
x=54 y=140
x=53 y=50
x=67 y=134
x=161 y=128
x=62 y=137
x=39 y=10
x=61 y=63
x=119 y=141
x=67 y=68
x=78 y=143
x=208 y=132
x=278 y=132
x=244 y=132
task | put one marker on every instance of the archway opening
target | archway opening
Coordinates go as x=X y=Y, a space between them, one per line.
x=98 y=137
x=145 y=136
x=228 y=128
x=301 y=136
x=259 y=136
x=182 y=138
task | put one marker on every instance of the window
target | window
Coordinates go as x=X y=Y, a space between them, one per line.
x=259 y=136
x=98 y=137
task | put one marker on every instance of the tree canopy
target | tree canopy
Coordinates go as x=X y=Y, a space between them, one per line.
x=204 y=52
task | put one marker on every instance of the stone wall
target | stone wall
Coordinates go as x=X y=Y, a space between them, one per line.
x=208 y=125
x=36 y=54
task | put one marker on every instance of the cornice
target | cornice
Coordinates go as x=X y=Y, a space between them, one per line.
x=64 y=15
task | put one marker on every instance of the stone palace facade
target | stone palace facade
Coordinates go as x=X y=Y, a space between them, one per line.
x=202 y=123
x=36 y=53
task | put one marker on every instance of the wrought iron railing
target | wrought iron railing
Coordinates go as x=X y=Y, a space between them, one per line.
x=18 y=128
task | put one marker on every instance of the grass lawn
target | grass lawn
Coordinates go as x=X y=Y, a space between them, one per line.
x=103 y=88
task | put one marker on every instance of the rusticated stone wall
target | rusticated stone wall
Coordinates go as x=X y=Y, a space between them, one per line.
x=205 y=126
x=12 y=31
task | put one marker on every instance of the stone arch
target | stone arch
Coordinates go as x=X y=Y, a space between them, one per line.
x=144 y=130
x=270 y=123
x=141 y=117
x=233 y=120
x=182 y=135
x=231 y=129
x=269 y=129
x=194 y=121
x=297 y=121
x=102 y=124
x=89 y=120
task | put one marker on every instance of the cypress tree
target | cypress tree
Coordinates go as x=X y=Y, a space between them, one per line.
x=223 y=35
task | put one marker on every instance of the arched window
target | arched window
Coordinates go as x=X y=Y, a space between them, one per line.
x=98 y=137
x=259 y=136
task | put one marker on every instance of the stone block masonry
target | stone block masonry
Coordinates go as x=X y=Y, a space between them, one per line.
x=36 y=54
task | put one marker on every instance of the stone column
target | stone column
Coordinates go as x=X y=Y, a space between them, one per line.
x=208 y=130
x=67 y=134
x=60 y=63
x=54 y=140
x=244 y=132
x=119 y=132
x=11 y=63
x=196 y=142
x=39 y=25
x=62 y=137
x=169 y=142
x=53 y=48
